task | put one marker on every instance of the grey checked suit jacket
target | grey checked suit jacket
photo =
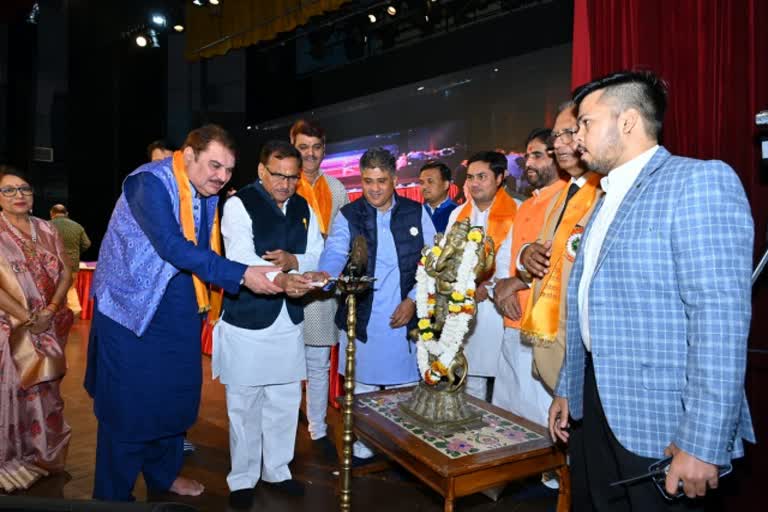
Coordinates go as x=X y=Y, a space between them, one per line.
x=669 y=313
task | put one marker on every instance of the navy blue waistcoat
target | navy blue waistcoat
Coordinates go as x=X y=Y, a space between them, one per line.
x=361 y=217
x=272 y=230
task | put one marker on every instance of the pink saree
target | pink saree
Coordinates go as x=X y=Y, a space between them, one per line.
x=33 y=434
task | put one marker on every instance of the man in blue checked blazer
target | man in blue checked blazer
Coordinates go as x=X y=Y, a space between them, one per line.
x=659 y=305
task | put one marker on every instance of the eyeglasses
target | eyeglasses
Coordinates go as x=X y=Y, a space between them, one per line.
x=566 y=135
x=276 y=176
x=25 y=190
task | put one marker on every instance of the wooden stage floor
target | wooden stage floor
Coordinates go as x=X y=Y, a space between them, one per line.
x=386 y=491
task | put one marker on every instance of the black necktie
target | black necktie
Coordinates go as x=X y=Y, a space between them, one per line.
x=571 y=192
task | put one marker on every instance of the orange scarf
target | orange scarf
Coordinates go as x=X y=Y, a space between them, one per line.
x=206 y=302
x=319 y=198
x=541 y=319
x=500 y=219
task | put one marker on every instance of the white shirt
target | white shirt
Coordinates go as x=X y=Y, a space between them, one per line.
x=483 y=343
x=615 y=185
x=275 y=354
x=478 y=218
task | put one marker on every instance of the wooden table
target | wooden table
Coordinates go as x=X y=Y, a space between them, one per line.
x=466 y=475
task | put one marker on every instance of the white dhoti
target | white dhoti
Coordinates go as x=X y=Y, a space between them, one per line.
x=516 y=389
x=483 y=348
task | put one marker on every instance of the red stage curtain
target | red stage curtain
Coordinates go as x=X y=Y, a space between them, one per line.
x=714 y=55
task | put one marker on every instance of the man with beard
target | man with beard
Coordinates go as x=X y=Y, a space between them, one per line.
x=144 y=354
x=516 y=389
x=494 y=210
x=549 y=259
x=325 y=195
x=659 y=309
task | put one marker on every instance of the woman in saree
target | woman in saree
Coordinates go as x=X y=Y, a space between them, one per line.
x=33 y=330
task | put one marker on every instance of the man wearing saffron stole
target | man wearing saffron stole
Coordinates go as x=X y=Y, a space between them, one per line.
x=550 y=258
x=516 y=389
x=396 y=229
x=144 y=355
x=325 y=195
x=494 y=210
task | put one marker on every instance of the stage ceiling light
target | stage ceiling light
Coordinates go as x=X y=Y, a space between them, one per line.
x=372 y=18
x=198 y=3
x=178 y=28
x=141 y=41
x=214 y=2
x=159 y=20
x=392 y=10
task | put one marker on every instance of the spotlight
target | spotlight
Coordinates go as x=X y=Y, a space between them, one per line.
x=420 y=88
x=392 y=10
x=198 y=3
x=213 y=2
x=159 y=20
x=34 y=14
x=372 y=18
x=178 y=28
x=141 y=41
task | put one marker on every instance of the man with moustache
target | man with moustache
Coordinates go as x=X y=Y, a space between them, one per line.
x=549 y=259
x=494 y=210
x=144 y=354
x=517 y=389
x=325 y=195
x=258 y=348
x=435 y=180
x=396 y=229
x=659 y=309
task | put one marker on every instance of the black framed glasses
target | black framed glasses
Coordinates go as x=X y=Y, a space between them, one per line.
x=25 y=190
x=276 y=176
x=565 y=135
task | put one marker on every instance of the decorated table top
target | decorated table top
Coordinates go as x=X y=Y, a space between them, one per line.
x=503 y=437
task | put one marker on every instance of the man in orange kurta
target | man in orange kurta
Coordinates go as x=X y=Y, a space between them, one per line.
x=516 y=389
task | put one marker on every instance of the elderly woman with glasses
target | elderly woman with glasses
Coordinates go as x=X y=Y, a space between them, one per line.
x=33 y=329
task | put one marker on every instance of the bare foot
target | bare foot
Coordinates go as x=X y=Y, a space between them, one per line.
x=186 y=487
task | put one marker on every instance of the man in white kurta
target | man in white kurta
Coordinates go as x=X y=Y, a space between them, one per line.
x=490 y=207
x=262 y=368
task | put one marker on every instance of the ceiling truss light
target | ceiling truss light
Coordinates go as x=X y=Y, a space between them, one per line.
x=213 y=2
x=178 y=27
x=141 y=41
x=159 y=20
x=198 y=3
x=372 y=18
x=392 y=10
